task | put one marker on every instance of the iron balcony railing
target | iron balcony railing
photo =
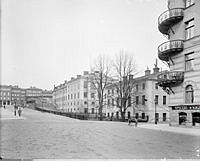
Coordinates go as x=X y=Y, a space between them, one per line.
x=169 y=17
x=170 y=78
x=169 y=48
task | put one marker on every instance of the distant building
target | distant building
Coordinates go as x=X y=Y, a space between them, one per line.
x=76 y=95
x=14 y=95
x=181 y=25
x=148 y=100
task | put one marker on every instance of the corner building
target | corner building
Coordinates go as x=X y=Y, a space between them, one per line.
x=181 y=25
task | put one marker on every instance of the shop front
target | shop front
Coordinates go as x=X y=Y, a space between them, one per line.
x=187 y=115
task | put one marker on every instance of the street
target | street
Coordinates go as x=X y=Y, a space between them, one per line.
x=44 y=135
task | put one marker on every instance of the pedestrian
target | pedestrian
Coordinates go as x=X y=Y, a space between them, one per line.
x=136 y=122
x=129 y=121
x=4 y=106
x=19 y=111
x=15 y=109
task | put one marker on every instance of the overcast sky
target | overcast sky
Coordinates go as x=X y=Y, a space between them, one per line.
x=45 y=42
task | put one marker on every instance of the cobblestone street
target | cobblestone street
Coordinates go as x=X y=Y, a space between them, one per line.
x=43 y=135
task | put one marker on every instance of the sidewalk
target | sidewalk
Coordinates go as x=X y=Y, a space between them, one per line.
x=8 y=113
x=167 y=128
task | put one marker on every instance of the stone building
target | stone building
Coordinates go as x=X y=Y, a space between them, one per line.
x=76 y=95
x=181 y=25
x=142 y=102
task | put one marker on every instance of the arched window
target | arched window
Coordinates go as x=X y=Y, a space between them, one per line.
x=189 y=98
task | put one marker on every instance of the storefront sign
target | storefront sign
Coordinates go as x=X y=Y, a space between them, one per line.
x=186 y=107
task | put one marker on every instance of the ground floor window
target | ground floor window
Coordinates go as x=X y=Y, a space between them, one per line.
x=129 y=115
x=92 y=110
x=164 y=116
x=85 y=110
x=143 y=115
x=195 y=118
x=117 y=115
x=182 y=118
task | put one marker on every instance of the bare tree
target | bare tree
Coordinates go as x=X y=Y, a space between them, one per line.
x=100 y=80
x=124 y=69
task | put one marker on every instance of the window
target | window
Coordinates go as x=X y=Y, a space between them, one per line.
x=85 y=110
x=85 y=102
x=189 y=3
x=143 y=85
x=78 y=95
x=93 y=103
x=143 y=115
x=108 y=114
x=117 y=102
x=129 y=101
x=108 y=92
x=74 y=95
x=137 y=87
x=164 y=116
x=156 y=99
x=189 y=29
x=164 y=100
x=137 y=100
x=108 y=102
x=92 y=95
x=85 y=84
x=113 y=91
x=189 y=98
x=189 y=61
x=143 y=100
x=85 y=94
x=112 y=101
x=71 y=96
x=92 y=110
x=156 y=85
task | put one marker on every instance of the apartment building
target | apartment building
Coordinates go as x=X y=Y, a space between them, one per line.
x=148 y=100
x=76 y=95
x=181 y=25
x=13 y=94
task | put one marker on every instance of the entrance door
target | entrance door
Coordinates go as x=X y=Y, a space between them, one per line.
x=195 y=118
x=182 y=118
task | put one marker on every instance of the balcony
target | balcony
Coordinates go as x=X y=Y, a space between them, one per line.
x=170 y=79
x=169 y=48
x=168 y=18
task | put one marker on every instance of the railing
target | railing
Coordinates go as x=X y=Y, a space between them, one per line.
x=173 y=45
x=172 y=77
x=172 y=13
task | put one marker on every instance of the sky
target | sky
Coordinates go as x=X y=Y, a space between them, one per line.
x=45 y=42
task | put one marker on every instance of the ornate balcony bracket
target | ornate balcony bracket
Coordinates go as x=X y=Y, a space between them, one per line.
x=169 y=48
x=169 y=18
x=170 y=79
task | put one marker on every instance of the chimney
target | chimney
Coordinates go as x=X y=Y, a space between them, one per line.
x=156 y=69
x=147 y=72
x=85 y=72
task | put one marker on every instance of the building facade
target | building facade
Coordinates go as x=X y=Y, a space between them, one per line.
x=14 y=95
x=76 y=95
x=181 y=25
x=142 y=104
